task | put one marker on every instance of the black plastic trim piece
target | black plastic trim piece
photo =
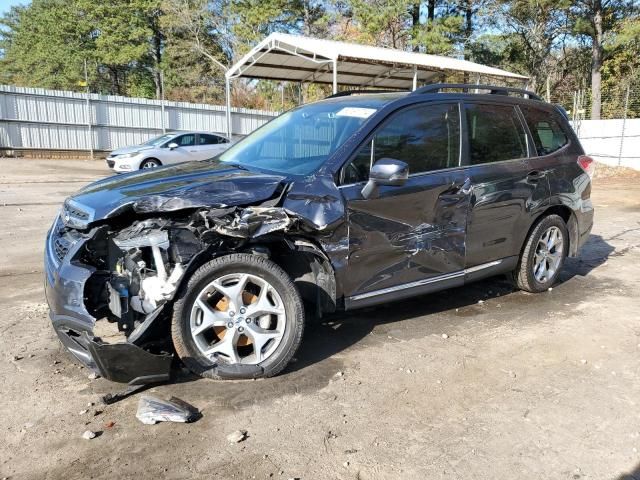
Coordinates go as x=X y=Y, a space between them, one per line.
x=466 y=87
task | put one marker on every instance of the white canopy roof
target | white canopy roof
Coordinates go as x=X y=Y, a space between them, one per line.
x=294 y=58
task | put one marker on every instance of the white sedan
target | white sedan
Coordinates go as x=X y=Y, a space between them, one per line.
x=167 y=149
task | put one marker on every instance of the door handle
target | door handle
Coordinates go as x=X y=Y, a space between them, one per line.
x=535 y=175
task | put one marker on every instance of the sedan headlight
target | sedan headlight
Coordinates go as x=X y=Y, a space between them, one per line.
x=127 y=155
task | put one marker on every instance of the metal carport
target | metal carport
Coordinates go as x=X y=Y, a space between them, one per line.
x=295 y=58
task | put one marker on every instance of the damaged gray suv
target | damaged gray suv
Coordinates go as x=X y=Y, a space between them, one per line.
x=356 y=200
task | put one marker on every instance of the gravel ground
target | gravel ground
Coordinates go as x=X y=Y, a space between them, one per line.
x=480 y=382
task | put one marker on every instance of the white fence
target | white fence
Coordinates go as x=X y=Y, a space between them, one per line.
x=613 y=142
x=35 y=118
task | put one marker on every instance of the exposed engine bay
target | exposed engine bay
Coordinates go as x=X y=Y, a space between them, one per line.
x=139 y=268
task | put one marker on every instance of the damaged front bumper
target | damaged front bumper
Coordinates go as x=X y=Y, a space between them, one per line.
x=65 y=280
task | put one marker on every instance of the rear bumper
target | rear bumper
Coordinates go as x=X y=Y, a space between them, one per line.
x=64 y=286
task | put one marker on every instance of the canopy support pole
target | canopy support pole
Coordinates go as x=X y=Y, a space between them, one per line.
x=227 y=95
x=335 y=76
x=415 y=78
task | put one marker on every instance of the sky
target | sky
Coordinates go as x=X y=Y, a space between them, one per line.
x=5 y=5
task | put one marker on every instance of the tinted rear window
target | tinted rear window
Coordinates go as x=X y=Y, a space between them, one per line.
x=495 y=133
x=548 y=135
x=206 y=139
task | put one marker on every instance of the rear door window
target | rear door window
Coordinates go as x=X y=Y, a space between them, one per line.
x=206 y=139
x=495 y=133
x=426 y=138
x=545 y=128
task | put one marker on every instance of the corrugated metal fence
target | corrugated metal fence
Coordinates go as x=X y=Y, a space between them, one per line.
x=40 y=119
x=54 y=120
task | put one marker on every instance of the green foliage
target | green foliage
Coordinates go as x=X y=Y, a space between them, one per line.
x=440 y=37
x=126 y=43
x=46 y=44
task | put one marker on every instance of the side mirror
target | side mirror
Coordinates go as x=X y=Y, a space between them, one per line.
x=172 y=145
x=386 y=171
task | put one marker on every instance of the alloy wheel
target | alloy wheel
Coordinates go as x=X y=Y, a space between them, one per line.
x=238 y=317
x=548 y=255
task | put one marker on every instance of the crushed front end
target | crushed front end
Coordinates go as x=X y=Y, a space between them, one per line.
x=125 y=272
x=80 y=290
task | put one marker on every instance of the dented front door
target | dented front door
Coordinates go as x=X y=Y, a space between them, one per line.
x=410 y=233
x=408 y=236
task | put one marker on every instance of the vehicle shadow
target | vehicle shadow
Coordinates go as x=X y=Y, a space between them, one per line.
x=593 y=253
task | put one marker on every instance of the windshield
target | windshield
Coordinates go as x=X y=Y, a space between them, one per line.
x=155 y=141
x=299 y=141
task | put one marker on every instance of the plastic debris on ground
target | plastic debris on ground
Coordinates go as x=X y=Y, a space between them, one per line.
x=152 y=410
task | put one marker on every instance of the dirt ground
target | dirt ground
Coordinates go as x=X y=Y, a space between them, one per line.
x=525 y=386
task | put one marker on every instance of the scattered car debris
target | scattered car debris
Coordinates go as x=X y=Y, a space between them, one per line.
x=152 y=410
x=237 y=436
x=89 y=435
x=110 y=424
x=93 y=376
x=445 y=336
x=17 y=357
x=82 y=412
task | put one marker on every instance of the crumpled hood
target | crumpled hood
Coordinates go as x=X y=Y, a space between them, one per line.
x=164 y=189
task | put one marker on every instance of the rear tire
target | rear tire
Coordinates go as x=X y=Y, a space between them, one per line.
x=242 y=341
x=543 y=255
x=150 y=163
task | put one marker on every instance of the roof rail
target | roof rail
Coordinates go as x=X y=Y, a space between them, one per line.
x=346 y=93
x=466 y=87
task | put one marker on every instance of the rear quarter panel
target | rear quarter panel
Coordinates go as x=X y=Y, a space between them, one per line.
x=571 y=187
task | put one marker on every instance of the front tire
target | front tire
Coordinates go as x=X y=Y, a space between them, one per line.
x=543 y=255
x=240 y=316
x=149 y=163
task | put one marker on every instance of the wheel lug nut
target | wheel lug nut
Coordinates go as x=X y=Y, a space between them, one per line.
x=240 y=329
x=242 y=310
x=248 y=320
x=232 y=313
x=230 y=325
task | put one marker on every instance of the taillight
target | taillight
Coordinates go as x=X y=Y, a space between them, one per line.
x=587 y=164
